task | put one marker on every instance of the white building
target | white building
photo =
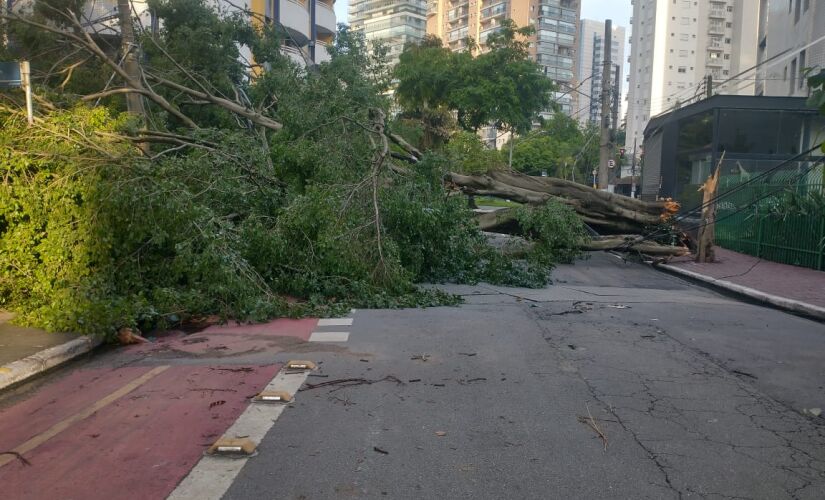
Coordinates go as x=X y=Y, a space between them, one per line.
x=393 y=23
x=591 y=64
x=791 y=41
x=677 y=44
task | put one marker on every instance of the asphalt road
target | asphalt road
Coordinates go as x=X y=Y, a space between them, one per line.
x=617 y=381
x=695 y=395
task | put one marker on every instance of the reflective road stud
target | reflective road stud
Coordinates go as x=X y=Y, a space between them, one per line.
x=273 y=397
x=232 y=447
x=301 y=365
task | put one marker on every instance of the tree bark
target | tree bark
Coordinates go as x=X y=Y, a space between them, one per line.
x=129 y=49
x=706 y=239
x=604 y=211
x=516 y=246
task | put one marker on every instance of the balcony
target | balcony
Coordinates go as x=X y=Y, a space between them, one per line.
x=716 y=28
x=714 y=62
x=493 y=11
x=321 y=52
x=457 y=14
x=718 y=13
x=295 y=18
x=325 y=18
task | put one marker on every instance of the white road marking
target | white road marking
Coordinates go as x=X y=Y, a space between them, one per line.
x=212 y=476
x=335 y=322
x=329 y=337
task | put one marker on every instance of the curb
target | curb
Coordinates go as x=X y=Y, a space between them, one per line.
x=784 y=303
x=30 y=366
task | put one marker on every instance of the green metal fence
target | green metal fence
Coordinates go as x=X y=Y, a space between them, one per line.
x=751 y=220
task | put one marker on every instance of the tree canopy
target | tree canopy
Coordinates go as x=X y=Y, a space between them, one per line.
x=500 y=86
x=560 y=147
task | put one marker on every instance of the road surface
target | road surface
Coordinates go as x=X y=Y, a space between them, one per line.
x=615 y=382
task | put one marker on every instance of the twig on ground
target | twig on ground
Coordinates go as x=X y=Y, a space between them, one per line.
x=590 y=421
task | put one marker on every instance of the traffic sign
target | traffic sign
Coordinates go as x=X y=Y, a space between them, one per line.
x=611 y=163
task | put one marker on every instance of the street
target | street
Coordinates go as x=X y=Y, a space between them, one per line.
x=617 y=381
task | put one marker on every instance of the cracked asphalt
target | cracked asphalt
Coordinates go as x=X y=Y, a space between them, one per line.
x=615 y=382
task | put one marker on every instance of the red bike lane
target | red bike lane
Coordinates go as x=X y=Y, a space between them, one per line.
x=135 y=431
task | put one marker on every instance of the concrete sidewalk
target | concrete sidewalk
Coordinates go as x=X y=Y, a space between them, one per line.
x=797 y=289
x=26 y=352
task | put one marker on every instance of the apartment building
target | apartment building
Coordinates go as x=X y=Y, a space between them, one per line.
x=395 y=23
x=309 y=25
x=590 y=66
x=791 y=42
x=553 y=45
x=677 y=44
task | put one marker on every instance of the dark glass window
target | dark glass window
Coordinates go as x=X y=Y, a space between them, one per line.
x=760 y=132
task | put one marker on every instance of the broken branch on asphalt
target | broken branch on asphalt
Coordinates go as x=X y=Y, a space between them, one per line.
x=343 y=383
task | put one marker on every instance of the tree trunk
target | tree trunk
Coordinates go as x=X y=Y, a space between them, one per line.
x=706 y=239
x=129 y=49
x=606 y=212
x=516 y=246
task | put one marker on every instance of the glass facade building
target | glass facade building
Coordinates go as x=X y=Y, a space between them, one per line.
x=754 y=133
x=395 y=23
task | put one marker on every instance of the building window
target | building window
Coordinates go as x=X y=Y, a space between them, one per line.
x=797 y=11
x=682 y=69
x=802 y=69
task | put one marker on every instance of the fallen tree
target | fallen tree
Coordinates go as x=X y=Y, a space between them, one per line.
x=606 y=212
x=516 y=246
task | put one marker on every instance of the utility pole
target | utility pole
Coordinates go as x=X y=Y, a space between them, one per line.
x=605 y=146
x=616 y=99
x=617 y=171
x=633 y=172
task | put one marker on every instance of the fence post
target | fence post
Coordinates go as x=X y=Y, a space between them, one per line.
x=759 y=235
x=821 y=243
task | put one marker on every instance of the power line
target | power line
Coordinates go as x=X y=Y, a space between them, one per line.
x=737 y=188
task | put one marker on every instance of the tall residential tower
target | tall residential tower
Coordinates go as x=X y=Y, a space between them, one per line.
x=394 y=23
x=790 y=43
x=677 y=44
x=590 y=66
x=553 y=45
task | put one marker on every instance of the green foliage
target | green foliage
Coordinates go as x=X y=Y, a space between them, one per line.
x=501 y=85
x=560 y=147
x=468 y=155
x=792 y=204
x=556 y=231
x=96 y=235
